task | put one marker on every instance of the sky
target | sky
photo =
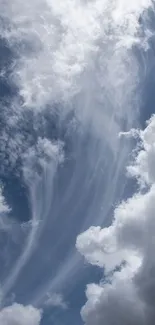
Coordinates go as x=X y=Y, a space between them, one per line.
x=77 y=156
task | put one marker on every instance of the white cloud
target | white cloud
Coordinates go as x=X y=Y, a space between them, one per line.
x=3 y=205
x=127 y=294
x=20 y=315
x=143 y=168
x=5 y=223
x=40 y=155
x=40 y=164
x=72 y=54
x=55 y=300
x=78 y=51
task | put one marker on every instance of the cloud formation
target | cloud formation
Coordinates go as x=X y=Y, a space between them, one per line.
x=39 y=168
x=126 y=250
x=79 y=52
x=55 y=300
x=76 y=58
x=4 y=208
x=20 y=315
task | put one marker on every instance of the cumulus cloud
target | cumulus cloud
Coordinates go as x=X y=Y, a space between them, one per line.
x=20 y=315
x=126 y=250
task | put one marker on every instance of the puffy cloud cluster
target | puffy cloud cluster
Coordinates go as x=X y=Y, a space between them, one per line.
x=126 y=250
x=20 y=315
